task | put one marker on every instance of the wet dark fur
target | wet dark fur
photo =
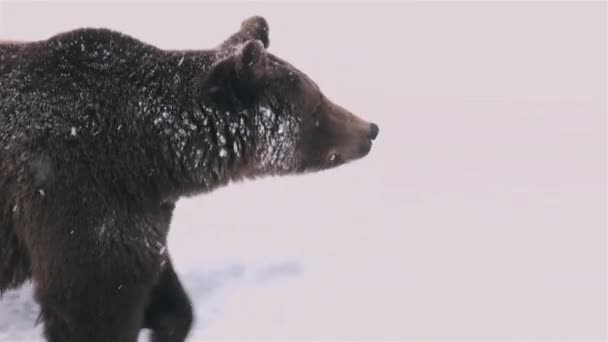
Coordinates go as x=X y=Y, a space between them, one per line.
x=100 y=134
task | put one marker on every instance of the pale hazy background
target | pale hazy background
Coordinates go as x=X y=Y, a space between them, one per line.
x=479 y=214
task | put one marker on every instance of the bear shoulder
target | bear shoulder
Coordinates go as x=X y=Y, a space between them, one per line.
x=97 y=49
x=93 y=37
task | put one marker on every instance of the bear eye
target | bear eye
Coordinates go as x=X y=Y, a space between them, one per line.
x=315 y=116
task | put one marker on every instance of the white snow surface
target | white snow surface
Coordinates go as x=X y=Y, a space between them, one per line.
x=215 y=292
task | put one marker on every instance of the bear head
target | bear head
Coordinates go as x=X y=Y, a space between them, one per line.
x=295 y=127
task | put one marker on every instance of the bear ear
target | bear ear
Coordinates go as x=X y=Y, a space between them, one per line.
x=252 y=28
x=251 y=61
x=237 y=75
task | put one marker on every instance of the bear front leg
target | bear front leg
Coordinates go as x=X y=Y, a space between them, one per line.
x=93 y=274
x=169 y=313
x=74 y=315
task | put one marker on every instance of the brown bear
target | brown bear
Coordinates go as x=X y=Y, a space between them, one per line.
x=100 y=135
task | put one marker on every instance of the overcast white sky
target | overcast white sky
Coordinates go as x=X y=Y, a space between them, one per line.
x=479 y=214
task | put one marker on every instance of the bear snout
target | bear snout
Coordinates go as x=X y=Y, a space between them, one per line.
x=365 y=148
x=348 y=152
x=353 y=136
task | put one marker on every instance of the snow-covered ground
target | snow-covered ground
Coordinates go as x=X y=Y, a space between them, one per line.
x=218 y=294
x=479 y=214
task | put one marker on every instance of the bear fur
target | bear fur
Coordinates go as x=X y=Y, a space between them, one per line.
x=100 y=135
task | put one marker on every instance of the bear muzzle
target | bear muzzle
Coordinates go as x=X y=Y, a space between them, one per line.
x=356 y=136
x=358 y=147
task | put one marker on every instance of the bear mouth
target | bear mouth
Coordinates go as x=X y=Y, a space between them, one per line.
x=337 y=158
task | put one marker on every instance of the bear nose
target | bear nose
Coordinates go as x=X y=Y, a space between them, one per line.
x=373 y=131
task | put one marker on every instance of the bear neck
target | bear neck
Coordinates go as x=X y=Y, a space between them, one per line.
x=193 y=146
